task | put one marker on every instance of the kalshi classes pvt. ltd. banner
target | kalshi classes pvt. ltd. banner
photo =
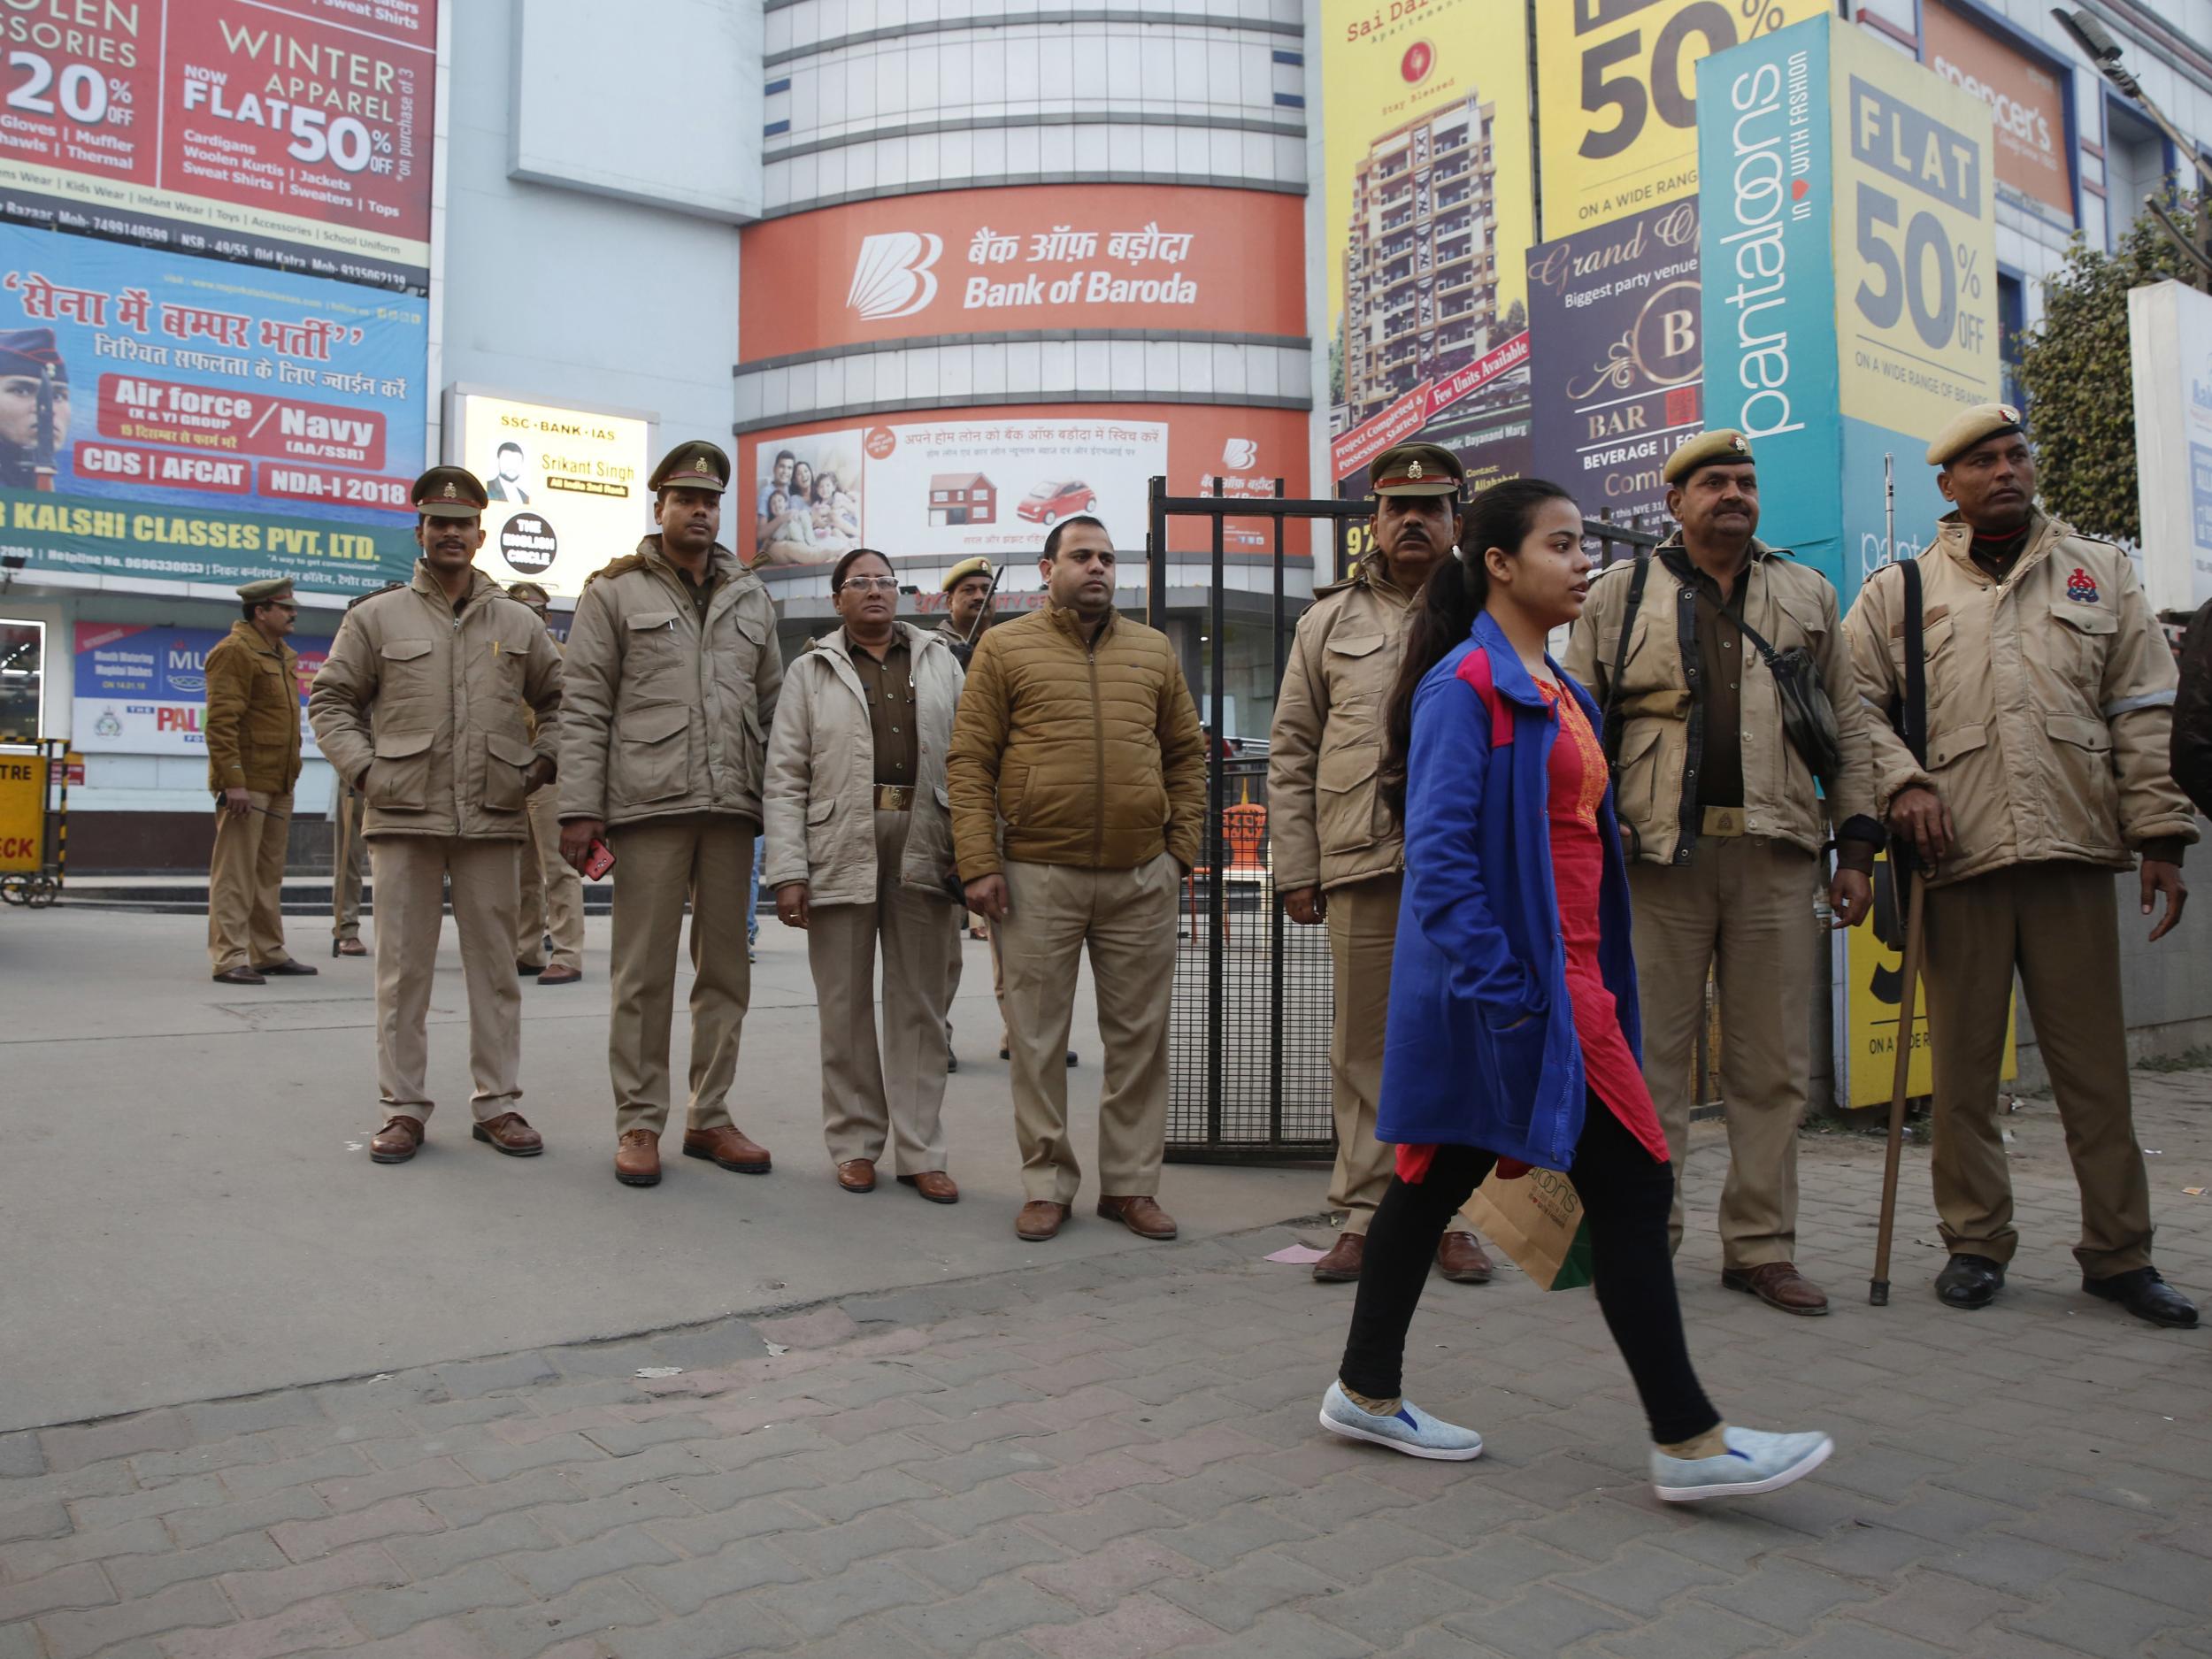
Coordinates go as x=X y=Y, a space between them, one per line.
x=295 y=134
x=1430 y=205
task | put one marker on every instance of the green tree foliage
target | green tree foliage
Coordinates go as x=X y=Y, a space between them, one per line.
x=2074 y=365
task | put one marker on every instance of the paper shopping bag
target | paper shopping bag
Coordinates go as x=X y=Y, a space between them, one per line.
x=1537 y=1219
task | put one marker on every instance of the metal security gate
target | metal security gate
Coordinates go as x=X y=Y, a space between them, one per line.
x=1253 y=1002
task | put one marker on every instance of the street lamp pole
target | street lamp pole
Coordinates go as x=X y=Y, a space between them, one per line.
x=2096 y=41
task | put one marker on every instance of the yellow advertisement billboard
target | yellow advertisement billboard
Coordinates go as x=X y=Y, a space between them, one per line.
x=1618 y=84
x=1915 y=240
x=1430 y=203
x=23 y=783
x=567 y=486
x=1873 y=999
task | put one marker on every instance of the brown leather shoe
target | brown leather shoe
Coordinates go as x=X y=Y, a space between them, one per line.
x=396 y=1142
x=348 y=947
x=560 y=976
x=857 y=1175
x=1341 y=1265
x=1779 y=1284
x=509 y=1134
x=529 y=969
x=637 y=1158
x=1459 y=1257
x=239 y=975
x=1141 y=1214
x=1041 y=1219
x=933 y=1185
x=730 y=1146
x=290 y=968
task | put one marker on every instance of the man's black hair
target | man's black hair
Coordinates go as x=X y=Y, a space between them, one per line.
x=1052 y=536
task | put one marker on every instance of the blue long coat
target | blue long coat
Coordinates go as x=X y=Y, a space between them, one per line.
x=1481 y=1049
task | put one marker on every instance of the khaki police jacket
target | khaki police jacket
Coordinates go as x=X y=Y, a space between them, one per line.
x=1326 y=824
x=437 y=709
x=253 y=713
x=821 y=793
x=1656 y=791
x=662 y=713
x=1090 y=750
x=2050 y=701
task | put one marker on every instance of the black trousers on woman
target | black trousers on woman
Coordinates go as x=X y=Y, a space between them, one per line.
x=1625 y=1195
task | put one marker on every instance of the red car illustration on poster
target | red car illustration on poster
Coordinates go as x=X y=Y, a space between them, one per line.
x=1050 y=502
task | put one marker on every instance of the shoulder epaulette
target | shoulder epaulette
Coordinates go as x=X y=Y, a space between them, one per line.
x=622 y=566
x=364 y=598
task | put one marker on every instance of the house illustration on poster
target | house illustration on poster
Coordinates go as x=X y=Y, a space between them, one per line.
x=956 y=498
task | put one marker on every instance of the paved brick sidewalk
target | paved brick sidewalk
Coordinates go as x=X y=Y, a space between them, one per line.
x=1117 y=1458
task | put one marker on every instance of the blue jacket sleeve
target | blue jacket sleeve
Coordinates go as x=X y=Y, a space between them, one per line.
x=1446 y=892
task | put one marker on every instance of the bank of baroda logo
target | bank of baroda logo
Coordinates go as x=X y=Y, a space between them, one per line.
x=892 y=277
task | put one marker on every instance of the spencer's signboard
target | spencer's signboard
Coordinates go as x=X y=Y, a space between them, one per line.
x=2027 y=103
x=294 y=134
x=1619 y=89
x=1058 y=257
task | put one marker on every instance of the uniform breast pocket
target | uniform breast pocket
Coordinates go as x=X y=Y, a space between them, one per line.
x=2082 y=638
x=406 y=667
x=653 y=648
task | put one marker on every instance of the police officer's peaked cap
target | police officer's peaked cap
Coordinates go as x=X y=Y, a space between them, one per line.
x=696 y=465
x=269 y=587
x=1971 y=426
x=1722 y=445
x=1417 y=469
x=448 y=492
x=966 y=568
x=529 y=593
x=31 y=351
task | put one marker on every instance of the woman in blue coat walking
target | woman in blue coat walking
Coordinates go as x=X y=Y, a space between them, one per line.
x=1513 y=1036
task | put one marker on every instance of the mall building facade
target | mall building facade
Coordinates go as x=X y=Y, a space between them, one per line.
x=941 y=273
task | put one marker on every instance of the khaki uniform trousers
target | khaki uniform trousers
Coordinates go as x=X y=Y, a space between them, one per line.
x=245 y=885
x=659 y=864
x=552 y=891
x=2059 y=924
x=412 y=874
x=1128 y=919
x=346 y=850
x=896 y=1091
x=1362 y=923
x=1742 y=908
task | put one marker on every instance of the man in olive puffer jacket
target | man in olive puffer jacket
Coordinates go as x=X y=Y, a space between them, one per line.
x=1077 y=729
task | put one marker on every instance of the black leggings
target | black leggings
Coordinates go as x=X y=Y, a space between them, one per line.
x=1626 y=1197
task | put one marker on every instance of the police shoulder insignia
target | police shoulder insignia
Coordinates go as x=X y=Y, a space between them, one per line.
x=622 y=566
x=362 y=599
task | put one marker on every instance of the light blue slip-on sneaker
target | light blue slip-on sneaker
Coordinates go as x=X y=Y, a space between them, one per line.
x=1409 y=1429
x=1755 y=1461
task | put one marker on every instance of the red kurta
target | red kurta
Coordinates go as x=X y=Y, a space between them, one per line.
x=1577 y=778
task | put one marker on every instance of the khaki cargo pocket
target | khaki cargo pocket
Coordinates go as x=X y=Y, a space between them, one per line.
x=405 y=669
x=506 y=761
x=1345 y=802
x=1636 y=780
x=652 y=760
x=399 y=776
x=821 y=832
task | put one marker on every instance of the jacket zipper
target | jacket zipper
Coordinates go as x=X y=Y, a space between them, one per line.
x=1098 y=753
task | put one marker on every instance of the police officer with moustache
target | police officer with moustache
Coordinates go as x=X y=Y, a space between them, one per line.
x=672 y=676
x=2050 y=693
x=426 y=702
x=1340 y=856
x=1725 y=829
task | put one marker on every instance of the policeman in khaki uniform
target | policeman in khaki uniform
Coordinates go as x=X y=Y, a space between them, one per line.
x=426 y=702
x=1724 y=830
x=1340 y=856
x=2050 y=697
x=253 y=760
x=552 y=891
x=673 y=675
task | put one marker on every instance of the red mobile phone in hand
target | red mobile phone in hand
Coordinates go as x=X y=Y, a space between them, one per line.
x=598 y=861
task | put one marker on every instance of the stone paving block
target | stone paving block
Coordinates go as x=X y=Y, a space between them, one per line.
x=626 y=1439
x=1136 y=1628
x=2079 y=1527
x=1199 y=1449
x=241 y=1552
x=83 y=1585
x=966 y=1622
x=871 y=1491
x=706 y=1534
x=817 y=1608
x=332 y=1463
x=1352 y=1556
x=1846 y=1640
x=735 y=1625
x=310 y=1627
x=1937 y=1609
x=900 y=1411
x=1639 y=1580
x=465 y=1506
x=1388 y=1608
x=1084 y=1482
x=471 y=1378
x=1785 y=1594
x=92 y=1514
x=77 y=1445
x=1097 y=1579
x=1337 y=1502
x=605 y=1477
x=480 y=1583
x=303 y=1540
x=273 y=1589
x=684 y=1586
x=2158 y=1574
x=757 y=1479
x=824 y=1551
x=431 y=1555
x=524 y=1427
x=962 y=1471
x=19 y=1456
x=554 y=1572
x=958 y=1567
x=1246 y=1588
x=576 y=1523
x=1868 y=1550
x=1088 y=1439
x=359 y=1492
x=1290 y=1635
x=497 y=1462
x=72 y=1635
x=905 y=1307
x=1540 y=1623
x=969 y=1511
x=1221 y=1485
x=40 y=1518
x=2099 y=1620
x=597 y=1608
x=152 y=1469
x=1075 y=1407
x=218 y=1518
x=1690 y=1631
x=1095 y=1524
x=220 y=1419
x=34 y=1558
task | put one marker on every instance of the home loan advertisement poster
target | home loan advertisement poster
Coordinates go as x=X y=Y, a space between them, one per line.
x=1429 y=207
x=143 y=690
x=295 y=135
x=1613 y=312
x=206 y=422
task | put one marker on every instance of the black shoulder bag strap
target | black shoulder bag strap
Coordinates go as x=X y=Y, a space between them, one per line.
x=1911 y=719
x=1611 y=717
